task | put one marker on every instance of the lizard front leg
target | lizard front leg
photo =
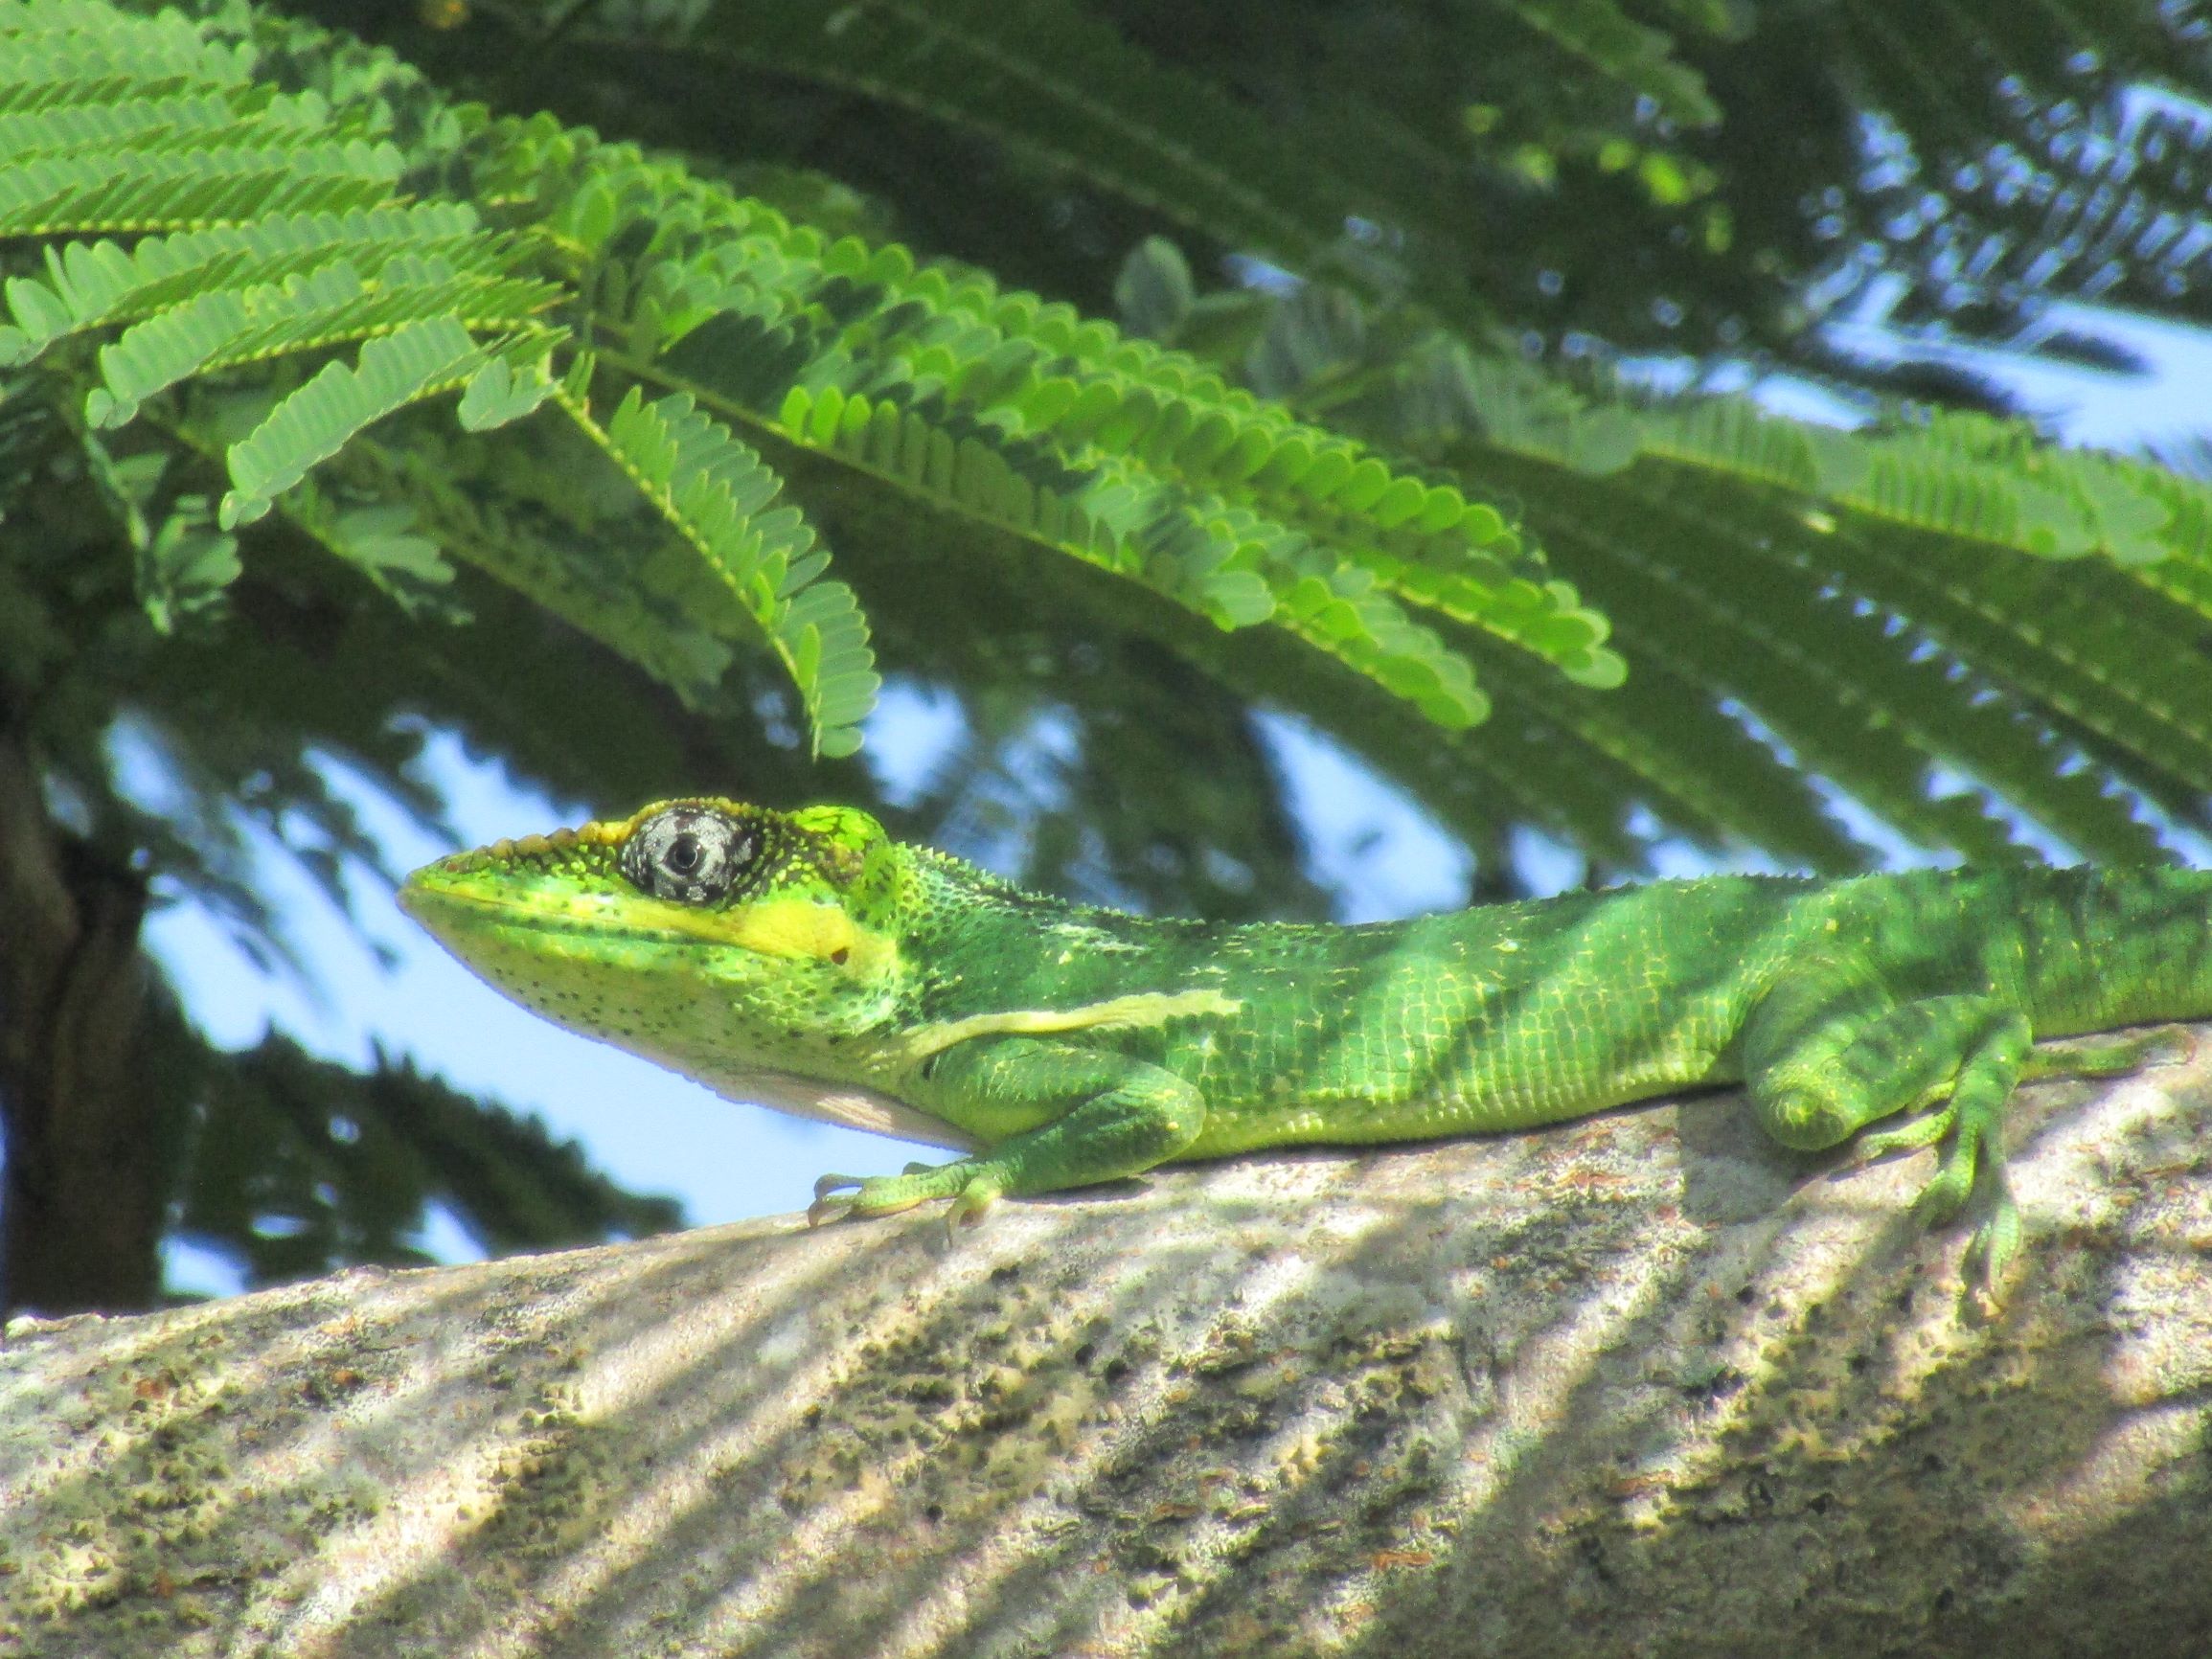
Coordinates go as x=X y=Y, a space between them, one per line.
x=1107 y=1117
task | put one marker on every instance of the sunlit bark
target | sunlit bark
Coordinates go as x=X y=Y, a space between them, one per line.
x=1641 y=1385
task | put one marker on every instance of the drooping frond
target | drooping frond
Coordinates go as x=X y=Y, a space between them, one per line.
x=1960 y=475
x=2025 y=157
x=1051 y=80
x=1269 y=166
x=766 y=564
x=1599 y=35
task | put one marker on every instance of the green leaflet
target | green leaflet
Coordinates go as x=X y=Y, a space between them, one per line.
x=81 y=51
x=1959 y=475
x=323 y=307
x=179 y=121
x=148 y=190
x=717 y=494
x=313 y=423
x=1962 y=475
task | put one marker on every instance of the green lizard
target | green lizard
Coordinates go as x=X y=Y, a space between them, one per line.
x=807 y=960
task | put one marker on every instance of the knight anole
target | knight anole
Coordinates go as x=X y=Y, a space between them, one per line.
x=807 y=961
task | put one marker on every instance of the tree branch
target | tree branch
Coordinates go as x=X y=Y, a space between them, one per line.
x=1636 y=1384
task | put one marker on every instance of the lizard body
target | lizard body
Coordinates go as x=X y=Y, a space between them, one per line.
x=807 y=960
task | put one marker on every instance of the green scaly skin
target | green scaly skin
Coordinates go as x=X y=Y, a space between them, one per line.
x=807 y=961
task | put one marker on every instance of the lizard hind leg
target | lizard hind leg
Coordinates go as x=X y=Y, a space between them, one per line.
x=1820 y=1071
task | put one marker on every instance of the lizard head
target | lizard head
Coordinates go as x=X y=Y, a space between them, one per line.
x=700 y=924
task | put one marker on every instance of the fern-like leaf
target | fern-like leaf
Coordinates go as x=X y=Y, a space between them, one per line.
x=93 y=285
x=999 y=406
x=128 y=190
x=764 y=560
x=325 y=307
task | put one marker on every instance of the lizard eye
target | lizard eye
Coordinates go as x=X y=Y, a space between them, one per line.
x=691 y=855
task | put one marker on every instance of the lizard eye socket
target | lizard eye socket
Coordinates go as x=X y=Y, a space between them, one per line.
x=690 y=854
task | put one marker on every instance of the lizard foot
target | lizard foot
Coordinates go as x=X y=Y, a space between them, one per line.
x=830 y=1205
x=1970 y=1154
x=972 y=1187
x=1950 y=1186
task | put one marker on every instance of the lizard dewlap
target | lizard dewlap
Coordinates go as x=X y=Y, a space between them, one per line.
x=807 y=960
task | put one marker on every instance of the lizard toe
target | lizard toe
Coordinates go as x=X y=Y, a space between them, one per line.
x=970 y=1204
x=1922 y=1132
x=831 y=1201
x=1996 y=1241
x=1947 y=1191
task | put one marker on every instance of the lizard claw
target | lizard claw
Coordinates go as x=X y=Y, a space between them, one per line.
x=967 y=1209
x=1994 y=1242
x=827 y=1205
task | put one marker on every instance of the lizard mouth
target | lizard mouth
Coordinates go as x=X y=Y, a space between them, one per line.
x=434 y=894
x=454 y=903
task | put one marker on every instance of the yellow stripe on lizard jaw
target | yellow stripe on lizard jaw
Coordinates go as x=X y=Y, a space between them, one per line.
x=797 y=928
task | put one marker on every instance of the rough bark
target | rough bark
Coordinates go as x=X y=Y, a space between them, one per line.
x=81 y=1207
x=1637 y=1385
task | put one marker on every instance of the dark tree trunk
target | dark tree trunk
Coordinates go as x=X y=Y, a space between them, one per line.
x=80 y=1210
